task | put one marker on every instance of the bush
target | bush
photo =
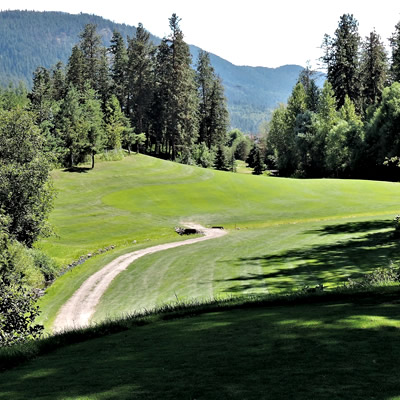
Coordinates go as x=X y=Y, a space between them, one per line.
x=112 y=155
x=396 y=224
x=378 y=277
x=17 y=303
x=203 y=156
x=24 y=265
x=45 y=264
x=17 y=314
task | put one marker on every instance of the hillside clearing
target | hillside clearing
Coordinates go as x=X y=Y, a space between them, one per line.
x=289 y=233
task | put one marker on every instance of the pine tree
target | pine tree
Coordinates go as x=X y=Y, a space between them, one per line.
x=104 y=83
x=41 y=94
x=160 y=108
x=140 y=80
x=76 y=69
x=91 y=48
x=395 y=59
x=213 y=114
x=119 y=65
x=307 y=78
x=221 y=162
x=58 y=82
x=258 y=163
x=342 y=60
x=177 y=94
x=93 y=128
x=374 y=69
x=70 y=130
x=116 y=123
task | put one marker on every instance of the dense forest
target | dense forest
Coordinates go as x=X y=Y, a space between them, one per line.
x=29 y=39
x=137 y=96
x=350 y=127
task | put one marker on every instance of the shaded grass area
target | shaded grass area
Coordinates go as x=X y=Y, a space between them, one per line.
x=257 y=261
x=335 y=346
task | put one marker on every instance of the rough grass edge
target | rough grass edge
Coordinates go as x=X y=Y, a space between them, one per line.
x=13 y=356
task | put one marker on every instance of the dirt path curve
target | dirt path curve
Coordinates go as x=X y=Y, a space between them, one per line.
x=78 y=310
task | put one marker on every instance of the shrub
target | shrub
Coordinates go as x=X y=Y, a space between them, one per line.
x=396 y=224
x=112 y=155
x=17 y=313
x=45 y=264
x=24 y=265
x=17 y=303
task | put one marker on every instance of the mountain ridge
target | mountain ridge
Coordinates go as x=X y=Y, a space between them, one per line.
x=29 y=39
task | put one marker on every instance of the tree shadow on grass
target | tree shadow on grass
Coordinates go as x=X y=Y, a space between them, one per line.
x=79 y=170
x=323 y=351
x=352 y=227
x=324 y=263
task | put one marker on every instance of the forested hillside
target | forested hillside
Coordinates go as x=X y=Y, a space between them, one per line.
x=30 y=39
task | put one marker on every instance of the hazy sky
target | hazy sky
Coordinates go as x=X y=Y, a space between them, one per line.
x=245 y=32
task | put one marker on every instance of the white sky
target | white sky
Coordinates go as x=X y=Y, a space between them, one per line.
x=245 y=32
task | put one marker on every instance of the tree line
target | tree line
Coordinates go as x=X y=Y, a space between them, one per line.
x=138 y=96
x=350 y=127
x=134 y=95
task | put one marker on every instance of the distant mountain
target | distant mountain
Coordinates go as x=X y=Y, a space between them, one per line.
x=29 y=39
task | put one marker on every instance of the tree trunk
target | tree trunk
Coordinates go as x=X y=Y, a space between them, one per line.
x=92 y=159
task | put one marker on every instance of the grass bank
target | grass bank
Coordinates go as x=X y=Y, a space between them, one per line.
x=340 y=345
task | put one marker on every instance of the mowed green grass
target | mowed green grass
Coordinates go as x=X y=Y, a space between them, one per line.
x=348 y=349
x=283 y=233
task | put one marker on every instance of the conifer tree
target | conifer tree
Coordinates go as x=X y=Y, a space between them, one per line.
x=92 y=120
x=258 y=163
x=76 y=69
x=58 y=82
x=395 y=58
x=41 y=94
x=213 y=114
x=140 y=80
x=160 y=108
x=104 y=83
x=374 y=68
x=119 y=65
x=183 y=127
x=115 y=123
x=221 y=162
x=91 y=48
x=177 y=94
x=307 y=78
x=342 y=59
x=69 y=129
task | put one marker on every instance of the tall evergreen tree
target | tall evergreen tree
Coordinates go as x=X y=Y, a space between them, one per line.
x=342 y=59
x=115 y=123
x=176 y=84
x=76 y=69
x=41 y=94
x=58 y=81
x=213 y=114
x=104 y=83
x=70 y=130
x=119 y=63
x=93 y=128
x=374 y=68
x=91 y=47
x=395 y=58
x=140 y=80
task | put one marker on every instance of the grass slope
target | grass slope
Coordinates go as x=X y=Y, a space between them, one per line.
x=290 y=232
x=343 y=349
